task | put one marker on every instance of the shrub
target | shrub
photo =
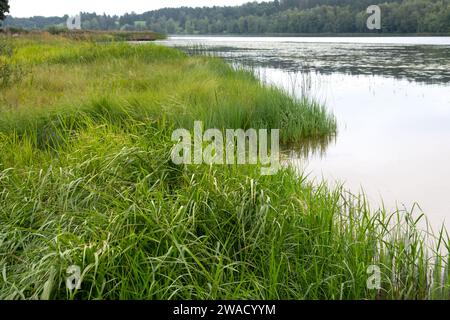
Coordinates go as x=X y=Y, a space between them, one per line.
x=56 y=30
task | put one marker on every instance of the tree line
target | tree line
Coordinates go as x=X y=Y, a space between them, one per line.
x=286 y=16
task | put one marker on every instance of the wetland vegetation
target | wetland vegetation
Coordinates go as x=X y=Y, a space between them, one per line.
x=86 y=179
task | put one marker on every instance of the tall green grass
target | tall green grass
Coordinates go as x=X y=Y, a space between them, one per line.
x=158 y=82
x=86 y=179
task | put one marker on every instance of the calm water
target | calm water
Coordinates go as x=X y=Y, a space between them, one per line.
x=391 y=97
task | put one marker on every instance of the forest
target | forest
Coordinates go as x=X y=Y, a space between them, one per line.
x=273 y=17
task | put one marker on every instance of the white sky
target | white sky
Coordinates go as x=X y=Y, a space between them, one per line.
x=28 y=8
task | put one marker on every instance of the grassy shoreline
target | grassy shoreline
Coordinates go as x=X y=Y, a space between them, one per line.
x=86 y=179
x=85 y=35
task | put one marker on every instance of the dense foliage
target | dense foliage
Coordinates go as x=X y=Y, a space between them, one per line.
x=288 y=16
x=4 y=8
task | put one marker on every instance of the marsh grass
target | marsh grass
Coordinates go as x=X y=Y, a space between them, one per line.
x=86 y=179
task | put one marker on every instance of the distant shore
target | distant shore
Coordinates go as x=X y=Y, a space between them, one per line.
x=337 y=35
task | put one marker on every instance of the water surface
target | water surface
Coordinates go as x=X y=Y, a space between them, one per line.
x=391 y=98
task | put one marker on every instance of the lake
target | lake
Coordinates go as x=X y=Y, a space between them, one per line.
x=391 y=98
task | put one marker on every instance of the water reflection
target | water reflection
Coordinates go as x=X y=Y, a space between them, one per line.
x=414 y=62
x=308 y=148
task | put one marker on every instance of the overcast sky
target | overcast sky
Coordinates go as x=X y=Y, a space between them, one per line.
x=28 y=8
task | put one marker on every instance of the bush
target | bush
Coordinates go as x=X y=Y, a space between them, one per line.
x=57 y=30
x=16 y=30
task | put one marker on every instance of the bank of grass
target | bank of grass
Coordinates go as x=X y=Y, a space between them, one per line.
x=85 y=35
x=86 y=179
